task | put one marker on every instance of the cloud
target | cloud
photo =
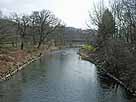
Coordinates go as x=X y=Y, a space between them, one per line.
x=23 y=6
x=73 y=12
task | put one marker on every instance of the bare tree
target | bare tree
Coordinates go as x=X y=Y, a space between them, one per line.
x=46 y=23
x=96 y=15
x=58 y=35
x=34 y=26
x=125 y=16
x=22 y=25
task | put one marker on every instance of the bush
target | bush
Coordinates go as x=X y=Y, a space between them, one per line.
x=89 y=48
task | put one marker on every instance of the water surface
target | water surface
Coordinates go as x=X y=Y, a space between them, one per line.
x=60 y=77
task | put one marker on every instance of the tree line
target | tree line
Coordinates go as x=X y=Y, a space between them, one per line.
x=116 y=37
x=34 y=29
x=118 y=20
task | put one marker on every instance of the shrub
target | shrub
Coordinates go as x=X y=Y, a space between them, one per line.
x=89 y=48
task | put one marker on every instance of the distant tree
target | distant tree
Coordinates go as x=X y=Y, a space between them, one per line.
x=22 y=23
x=106 y=28
x=35 y=26
x=46 y=23
x=108 y=24
x=125 y=16
x=58 y=34
x=96 y=14
x=31 y=29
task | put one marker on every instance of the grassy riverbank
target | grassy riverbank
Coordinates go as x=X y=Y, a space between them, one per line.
x=12 y=59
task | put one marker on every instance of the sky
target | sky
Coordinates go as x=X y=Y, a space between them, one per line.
x=74 y=13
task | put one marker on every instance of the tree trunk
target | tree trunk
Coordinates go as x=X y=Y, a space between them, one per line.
x=39 y=44
x=22 y=45
x=34 y=40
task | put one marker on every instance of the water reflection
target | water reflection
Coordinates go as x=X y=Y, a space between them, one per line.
x=60 y=77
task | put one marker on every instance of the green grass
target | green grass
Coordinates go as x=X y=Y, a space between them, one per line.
x=89 y=48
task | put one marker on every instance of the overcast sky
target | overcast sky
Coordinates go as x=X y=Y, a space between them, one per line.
x=72 y=12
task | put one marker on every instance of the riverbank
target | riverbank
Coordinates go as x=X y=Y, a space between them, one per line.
x=14 y=60
x=95 y=57
x=60 y=76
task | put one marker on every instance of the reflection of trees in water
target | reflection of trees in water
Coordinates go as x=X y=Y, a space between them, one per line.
x=111 y=85
x=34 y=71
x=107 y=82
x=11 y=90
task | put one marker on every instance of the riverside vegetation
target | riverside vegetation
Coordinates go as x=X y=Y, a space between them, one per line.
x=23 y=38
x=115 y=47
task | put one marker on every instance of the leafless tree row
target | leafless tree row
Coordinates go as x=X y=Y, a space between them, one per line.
x=33 y=28
x=125 y=15
x=116 y=38
x=39 y=25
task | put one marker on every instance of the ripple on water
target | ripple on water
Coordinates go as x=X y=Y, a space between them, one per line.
x=59 y=77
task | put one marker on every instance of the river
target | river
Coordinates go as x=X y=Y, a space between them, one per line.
x=60 y=76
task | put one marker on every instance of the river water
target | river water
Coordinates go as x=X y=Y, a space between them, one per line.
x=60 y=77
